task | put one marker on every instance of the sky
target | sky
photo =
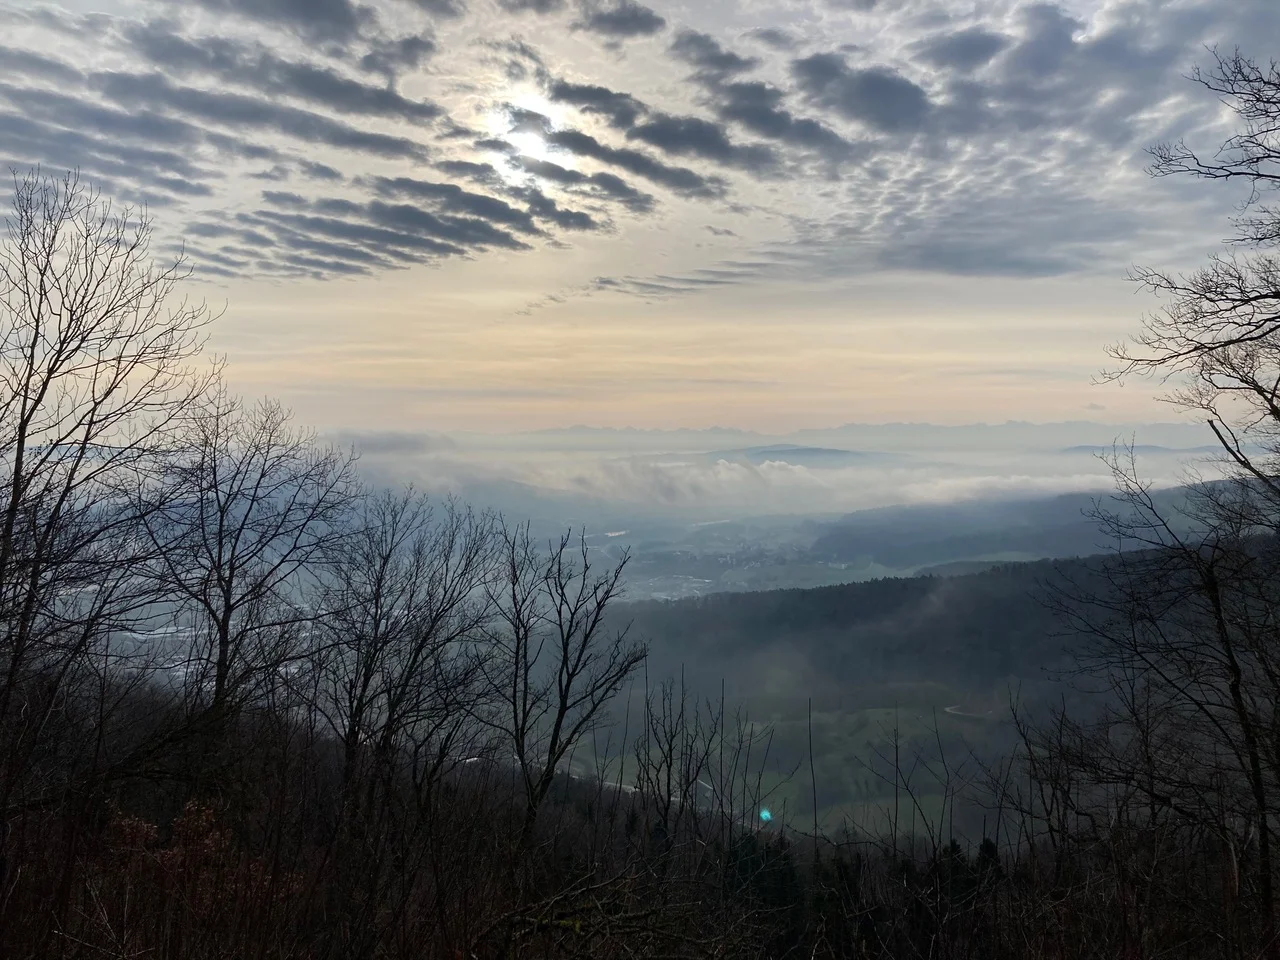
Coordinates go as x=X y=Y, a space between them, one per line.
x=502 y=215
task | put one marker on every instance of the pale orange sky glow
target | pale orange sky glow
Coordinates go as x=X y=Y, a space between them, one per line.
x=773 y=360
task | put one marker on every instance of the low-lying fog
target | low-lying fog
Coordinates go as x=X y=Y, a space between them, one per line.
x=592 y=475
x=710 y=510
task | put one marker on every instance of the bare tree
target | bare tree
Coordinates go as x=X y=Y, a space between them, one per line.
x=96 y=377
x=554 y=662
x=1183 y=621
x=395 y=683
x=405 y=598
x=247 y=506
x=1179 y=626
x=1218 y=332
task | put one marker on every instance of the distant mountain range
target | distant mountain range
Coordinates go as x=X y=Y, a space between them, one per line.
x=1141 y=448
x=1054 y=437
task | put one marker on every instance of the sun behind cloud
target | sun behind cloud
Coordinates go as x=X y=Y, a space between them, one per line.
x=519 y=117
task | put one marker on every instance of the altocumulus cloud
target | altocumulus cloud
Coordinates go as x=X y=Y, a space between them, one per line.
x=620 y=19
x=330 y=138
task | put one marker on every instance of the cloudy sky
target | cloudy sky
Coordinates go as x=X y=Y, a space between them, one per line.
x=507 y=214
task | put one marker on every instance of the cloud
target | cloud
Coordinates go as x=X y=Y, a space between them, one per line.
x=283 y=198
x=705 y=53
x=757 y=106
x=483 y=173
x=451 y=198
x=352 y=246
x=470 y=231
x=147 y=130
x=531 y=6
x=679 y=179
x=390 y=58
x=693 y=136
x=995 y=143
x=775 y=486
x=962 y=50
x=677 y=135
x=496 y=144
x=621 y=109
x=318 y=171
x=619 y=19
x=341 y=236
x=113 y=170
x=317 y=19
x=1048 y=43
x=262 y=71
x=454 y=199
x=876 y=96
x=773 y=37
x=447 y=9
x=32 y=64
x=668 y=286
x=605 y=185
x=240 y=112
x=547 y=209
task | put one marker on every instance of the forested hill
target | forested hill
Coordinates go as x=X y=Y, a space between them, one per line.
x=1016 y=529
x=967 y=631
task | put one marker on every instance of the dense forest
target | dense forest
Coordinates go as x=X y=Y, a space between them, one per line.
x=969 y=630
x=250 y=707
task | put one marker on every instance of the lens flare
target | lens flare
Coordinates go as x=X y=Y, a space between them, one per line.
x=765 y=815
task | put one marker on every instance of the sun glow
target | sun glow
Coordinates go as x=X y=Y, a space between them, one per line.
x=504 y=122
x=530 y=144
